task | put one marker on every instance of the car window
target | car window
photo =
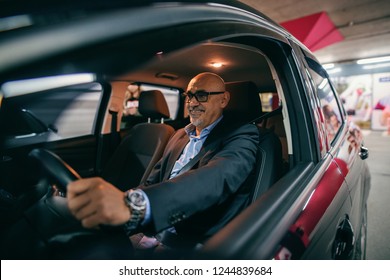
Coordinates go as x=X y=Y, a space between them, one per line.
x=52 y=114
x=269 y=101
x=330 y=110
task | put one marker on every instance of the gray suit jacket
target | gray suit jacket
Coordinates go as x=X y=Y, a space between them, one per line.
x=202 y=200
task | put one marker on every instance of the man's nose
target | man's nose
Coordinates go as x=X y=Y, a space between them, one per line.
x=193 y=101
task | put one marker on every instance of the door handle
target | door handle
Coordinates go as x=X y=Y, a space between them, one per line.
x=344 y=239
x=363 y=152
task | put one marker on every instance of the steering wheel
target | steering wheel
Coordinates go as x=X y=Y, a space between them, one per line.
x=55 y=168
x=50 y=221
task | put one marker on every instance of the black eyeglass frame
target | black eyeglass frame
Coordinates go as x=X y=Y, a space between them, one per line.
x=200 y=96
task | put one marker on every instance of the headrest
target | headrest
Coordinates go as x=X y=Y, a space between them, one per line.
x=245 y=103
x=152 y=104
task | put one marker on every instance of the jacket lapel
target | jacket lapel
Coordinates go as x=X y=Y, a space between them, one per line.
x=217 y=133
x=176 y=152
x=211 y=143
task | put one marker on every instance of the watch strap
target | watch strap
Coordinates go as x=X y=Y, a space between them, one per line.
x=137 y=211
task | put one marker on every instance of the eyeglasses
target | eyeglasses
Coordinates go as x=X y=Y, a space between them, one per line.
x=200 y=96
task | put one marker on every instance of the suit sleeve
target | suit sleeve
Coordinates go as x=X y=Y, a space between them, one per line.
x=221 y=172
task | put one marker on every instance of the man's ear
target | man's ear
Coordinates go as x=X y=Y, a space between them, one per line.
x=225 y=99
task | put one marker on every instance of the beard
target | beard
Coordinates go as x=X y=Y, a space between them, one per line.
x=196 y=115
x=197 y=122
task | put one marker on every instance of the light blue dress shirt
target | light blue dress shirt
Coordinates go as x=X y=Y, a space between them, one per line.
x=190 y=151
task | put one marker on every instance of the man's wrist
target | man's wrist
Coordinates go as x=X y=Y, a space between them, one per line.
x=136 y=201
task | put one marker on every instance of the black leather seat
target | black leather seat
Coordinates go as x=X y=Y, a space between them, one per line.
x=244 y=107
x=245 y=104
x=143 y=146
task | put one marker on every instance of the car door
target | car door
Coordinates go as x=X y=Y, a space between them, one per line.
x=333 y=234
x=350 y=156
x=303 y=214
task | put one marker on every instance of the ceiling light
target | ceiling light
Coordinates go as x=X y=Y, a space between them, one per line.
x=216 y=64
x=334 y=70
x=328 y=66
x=373 y=60
x=376 y=66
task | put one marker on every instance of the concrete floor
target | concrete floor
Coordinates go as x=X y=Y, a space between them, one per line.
x=378 y=219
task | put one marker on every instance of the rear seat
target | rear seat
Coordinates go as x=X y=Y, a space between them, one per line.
x=275 y=123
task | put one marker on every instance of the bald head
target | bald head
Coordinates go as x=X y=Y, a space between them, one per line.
x=204 y=113
x=207 y=82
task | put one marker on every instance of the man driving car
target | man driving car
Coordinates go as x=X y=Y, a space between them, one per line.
x=196 y=187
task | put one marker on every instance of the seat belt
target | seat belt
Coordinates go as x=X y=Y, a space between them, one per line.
x=192 y=162
x=114 y=135
x=196 y=159
x=267 y=115
x=199 y=155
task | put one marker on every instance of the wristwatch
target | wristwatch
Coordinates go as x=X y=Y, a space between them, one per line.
x=136 y=201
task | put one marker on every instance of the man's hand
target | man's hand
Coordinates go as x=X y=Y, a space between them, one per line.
x=94 y=201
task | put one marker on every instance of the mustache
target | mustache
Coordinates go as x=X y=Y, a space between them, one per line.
x=196 y=108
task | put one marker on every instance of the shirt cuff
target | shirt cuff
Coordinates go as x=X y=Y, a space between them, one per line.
x=148 y=211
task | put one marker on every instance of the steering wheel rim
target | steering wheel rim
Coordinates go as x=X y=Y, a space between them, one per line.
x=55 y=168
x=50 y=221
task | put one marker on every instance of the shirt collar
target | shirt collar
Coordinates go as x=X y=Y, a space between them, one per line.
x=190 y=129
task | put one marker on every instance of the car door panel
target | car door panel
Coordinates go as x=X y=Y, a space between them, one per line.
x=315 y=228
x=354 y=170
x=337 y=206
x=79 y=153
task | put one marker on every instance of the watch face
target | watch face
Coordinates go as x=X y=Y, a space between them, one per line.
x=137 y=198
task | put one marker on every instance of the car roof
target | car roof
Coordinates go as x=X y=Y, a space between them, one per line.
x=56 y=29
x=15 y=7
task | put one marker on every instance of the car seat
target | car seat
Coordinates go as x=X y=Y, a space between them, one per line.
x=143 y=146
x=245 y=107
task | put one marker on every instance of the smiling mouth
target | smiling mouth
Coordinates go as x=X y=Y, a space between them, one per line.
x=196 y=111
